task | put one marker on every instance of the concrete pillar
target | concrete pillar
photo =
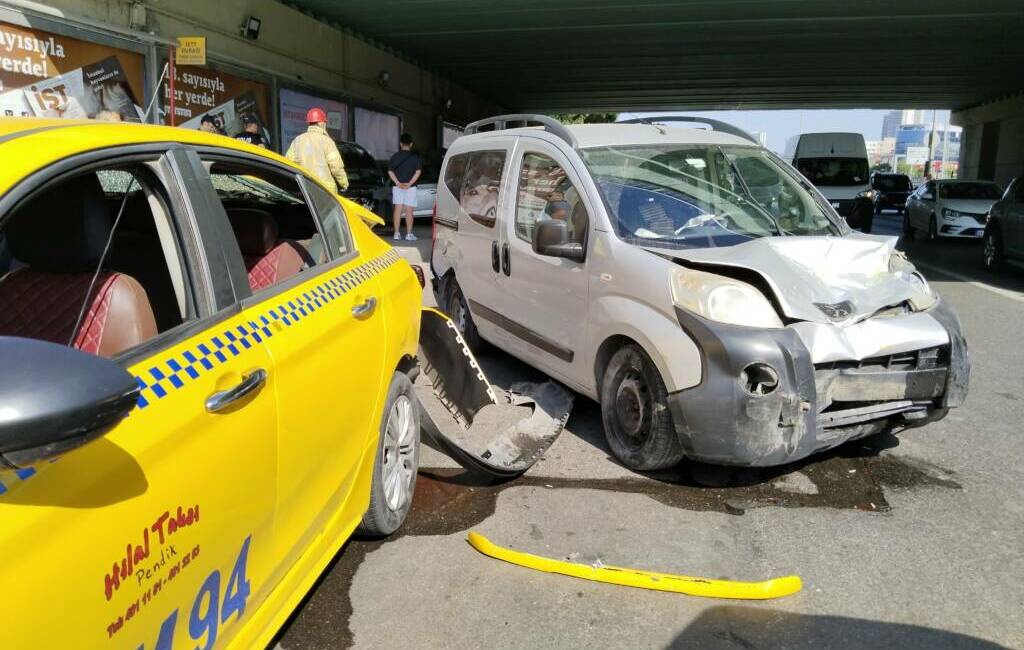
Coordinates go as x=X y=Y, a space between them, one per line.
x=992 y=145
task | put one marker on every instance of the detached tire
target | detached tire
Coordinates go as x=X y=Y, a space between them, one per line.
x=457 y=308
x=634 y=408
x=398 y=457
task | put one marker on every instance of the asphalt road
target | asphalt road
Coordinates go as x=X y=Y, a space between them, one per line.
x=912 y=541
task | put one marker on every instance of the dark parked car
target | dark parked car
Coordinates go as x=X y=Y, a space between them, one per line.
x=367 y=185
x=1004 y=232
x=891 y=191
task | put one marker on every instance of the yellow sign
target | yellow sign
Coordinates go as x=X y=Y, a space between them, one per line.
x=191 y=50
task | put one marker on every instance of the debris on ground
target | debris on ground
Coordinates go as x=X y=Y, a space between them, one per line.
x=599 y=572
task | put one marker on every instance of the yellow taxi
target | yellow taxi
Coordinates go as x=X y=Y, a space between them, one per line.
x=204 y=360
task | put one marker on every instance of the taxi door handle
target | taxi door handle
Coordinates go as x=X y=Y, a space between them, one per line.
x=250 y=383
x=365 y=308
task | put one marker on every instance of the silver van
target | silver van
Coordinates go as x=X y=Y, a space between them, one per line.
x=694 y=284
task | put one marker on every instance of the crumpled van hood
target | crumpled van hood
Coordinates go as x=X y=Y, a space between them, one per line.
x=808 y=271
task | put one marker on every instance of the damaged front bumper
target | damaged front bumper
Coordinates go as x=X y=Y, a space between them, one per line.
x=762 y=400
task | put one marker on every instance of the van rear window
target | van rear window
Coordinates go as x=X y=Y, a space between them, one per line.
x=834 y=171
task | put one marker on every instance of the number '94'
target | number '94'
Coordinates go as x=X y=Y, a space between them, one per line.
x=209 y=611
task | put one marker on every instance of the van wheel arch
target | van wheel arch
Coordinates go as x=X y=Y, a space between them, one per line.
x=609 y=347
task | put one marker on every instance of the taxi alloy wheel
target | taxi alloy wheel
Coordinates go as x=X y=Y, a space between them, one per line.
x=397 y=458
x=393 y=481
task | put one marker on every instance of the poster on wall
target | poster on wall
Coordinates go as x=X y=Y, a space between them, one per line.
x=294 y=106
x=449 y=133
x=48 y=75
x=225 y=99
x=377 y=132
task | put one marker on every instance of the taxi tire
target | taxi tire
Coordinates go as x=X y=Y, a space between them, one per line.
x=661 y=447
x=379 y=519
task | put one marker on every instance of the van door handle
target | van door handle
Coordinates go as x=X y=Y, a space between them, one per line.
x=495 y=264
x=505 y=261
x=250 y=383
x=365 y=308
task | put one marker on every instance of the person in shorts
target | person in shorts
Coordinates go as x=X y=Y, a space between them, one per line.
x=404 y=168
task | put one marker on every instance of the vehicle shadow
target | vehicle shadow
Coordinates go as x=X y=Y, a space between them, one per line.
x=585 y=423
x=733 y=626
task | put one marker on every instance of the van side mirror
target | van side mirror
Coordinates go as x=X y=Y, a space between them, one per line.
x=54 y=399
x=551 y=238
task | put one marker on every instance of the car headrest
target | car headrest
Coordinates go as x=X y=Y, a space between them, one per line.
x=64 y=230
x=255 y=230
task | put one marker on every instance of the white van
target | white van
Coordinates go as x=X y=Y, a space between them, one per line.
x=692 y=283
x=837 y=164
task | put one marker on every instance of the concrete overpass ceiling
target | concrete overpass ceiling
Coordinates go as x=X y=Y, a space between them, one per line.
x=605 y=55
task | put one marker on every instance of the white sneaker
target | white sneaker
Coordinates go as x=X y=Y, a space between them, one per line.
x=398 y=236
x=410 y=237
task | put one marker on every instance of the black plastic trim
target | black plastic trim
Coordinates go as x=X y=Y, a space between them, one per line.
x=522 y=332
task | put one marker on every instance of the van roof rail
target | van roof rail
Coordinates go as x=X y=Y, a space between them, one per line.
x=716 y=125
x=501 y=122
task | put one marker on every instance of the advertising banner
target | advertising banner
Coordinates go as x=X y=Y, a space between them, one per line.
x=225 y=99
x=917 y=155
x=378 y=132
x=294 y=106
x=48 y=75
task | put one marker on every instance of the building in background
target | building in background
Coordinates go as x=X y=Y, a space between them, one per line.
x=945 y=152
x=761 y=137
x=891 y=123
x=880 y=151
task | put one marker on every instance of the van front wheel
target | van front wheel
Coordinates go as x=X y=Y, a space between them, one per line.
x=634 y=408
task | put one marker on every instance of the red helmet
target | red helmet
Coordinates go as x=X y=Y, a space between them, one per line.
x=315 y=116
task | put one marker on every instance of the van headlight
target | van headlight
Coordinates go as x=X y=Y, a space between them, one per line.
x=722 y=299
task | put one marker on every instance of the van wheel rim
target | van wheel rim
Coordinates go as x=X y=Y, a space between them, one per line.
x=458 y=313
x=633 y=408
x=397 y=467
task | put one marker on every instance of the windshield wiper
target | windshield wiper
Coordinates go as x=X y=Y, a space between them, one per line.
x=749 y=198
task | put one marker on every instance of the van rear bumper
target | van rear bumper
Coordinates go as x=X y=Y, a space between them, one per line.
x=758 y=402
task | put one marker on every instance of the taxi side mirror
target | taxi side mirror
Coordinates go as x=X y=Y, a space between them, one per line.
x=551 y=238
x=54 y=398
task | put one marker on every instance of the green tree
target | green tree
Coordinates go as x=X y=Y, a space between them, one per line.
x=585 y=118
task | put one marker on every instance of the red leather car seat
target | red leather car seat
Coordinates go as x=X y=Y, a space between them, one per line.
x=59 y=238
x=268 y=260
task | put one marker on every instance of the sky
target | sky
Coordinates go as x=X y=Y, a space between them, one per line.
x=780 y=125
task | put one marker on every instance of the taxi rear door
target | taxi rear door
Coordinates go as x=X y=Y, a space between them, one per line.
x=156 y=535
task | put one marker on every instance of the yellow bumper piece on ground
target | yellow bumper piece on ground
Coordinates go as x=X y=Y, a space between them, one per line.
x=775 y=588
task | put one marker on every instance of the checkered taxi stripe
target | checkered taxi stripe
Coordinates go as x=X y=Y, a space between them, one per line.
x=175 y=372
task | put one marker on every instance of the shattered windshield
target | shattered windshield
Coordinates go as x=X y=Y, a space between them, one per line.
x=699 y=196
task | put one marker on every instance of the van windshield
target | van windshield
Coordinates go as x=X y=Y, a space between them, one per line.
x=699 y=196
x=832 y=172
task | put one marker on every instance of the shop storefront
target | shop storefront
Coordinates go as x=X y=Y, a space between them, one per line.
x=377 y=131
x=114 y=74
x=223 y=100
x=295 y=104
x=47 y=74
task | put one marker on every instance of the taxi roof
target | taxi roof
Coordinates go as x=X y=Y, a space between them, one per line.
x=29 y=144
